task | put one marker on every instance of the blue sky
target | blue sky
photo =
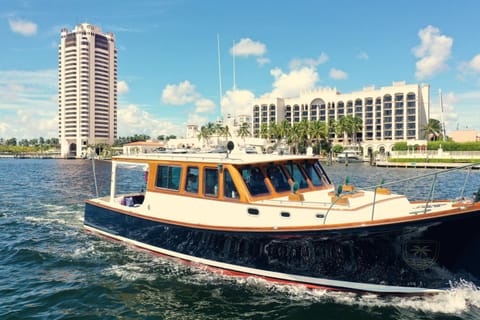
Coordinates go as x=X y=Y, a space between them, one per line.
x=168 y=64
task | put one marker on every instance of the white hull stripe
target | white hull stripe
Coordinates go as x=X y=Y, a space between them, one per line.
x=354 y=286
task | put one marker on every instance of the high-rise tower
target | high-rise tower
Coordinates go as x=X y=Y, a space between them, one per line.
x=87 y=85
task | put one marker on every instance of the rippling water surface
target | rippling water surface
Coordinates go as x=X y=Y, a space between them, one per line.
x=51 y=269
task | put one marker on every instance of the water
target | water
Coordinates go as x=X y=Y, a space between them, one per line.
x=51 y=269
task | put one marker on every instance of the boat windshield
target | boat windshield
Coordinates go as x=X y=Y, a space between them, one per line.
x=281 y=176
x=278 y=178
x=296 y=173
x=312 y=173
x=255 y=180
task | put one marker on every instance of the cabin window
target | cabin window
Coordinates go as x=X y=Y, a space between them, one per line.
x=229 y=189
x=191 y=181
x=296 y=174
x=168 y=177
x=255 y=180
x=278 y=178
x=210 y=187
x=309 y=169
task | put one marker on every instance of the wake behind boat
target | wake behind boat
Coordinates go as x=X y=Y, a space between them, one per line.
x=281 y=218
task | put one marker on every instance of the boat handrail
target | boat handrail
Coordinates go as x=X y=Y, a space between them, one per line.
x=298 y=204
x=431 y=193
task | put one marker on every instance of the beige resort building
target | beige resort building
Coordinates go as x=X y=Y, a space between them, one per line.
x=389 y=114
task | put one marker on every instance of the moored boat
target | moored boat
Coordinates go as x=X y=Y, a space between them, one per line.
x=281 y=218
x=349 y=156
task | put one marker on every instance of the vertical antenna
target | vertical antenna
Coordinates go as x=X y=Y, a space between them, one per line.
x=441 y=115
x=219 y=74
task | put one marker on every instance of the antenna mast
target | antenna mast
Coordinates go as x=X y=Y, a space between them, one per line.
x=441 y=115
x=219 y=74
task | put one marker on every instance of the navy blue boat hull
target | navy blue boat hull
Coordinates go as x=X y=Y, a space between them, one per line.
x=423 y=253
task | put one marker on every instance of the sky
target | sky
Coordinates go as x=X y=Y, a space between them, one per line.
x=169 y=53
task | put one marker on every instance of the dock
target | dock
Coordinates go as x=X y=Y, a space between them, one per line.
x=423 y=165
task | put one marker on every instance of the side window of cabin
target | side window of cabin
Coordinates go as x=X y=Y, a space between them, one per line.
x=254 y=180
x=210 y=182
x=297 y=175
x=312 y=174
x=191 y=183
x=229 y=189
x=168 y=177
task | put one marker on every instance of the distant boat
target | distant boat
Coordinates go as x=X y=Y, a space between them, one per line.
x=250 y=149
x=350 y=156
x=280 y=218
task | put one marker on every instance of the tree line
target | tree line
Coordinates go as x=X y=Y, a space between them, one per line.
x=120 y=141
x=317 y=134
x=41 y=144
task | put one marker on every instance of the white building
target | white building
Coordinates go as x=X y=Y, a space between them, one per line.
x=87 y=71
x=389 y=114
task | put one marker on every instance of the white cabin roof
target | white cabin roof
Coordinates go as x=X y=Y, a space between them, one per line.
x=234 y=158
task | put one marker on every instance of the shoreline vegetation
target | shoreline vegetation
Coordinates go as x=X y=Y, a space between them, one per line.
x=445 y=152
x=433 y=160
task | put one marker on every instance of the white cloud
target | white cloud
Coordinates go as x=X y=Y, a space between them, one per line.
x=433 y=52
x=28 y=104
x=29 y=123
x=185 y=93
x=262 y=60
x=4 y=130
x=293 y=83
x=474 y=64
x=247 y=47
x=204 y=106
x=43 y=78
x=238 y=102
x=122 y=87
x=180 y=94
x=23 y=27
x=132 y=120
x=309 y=62
x=338 y=74
x=362 y=56
x=195 y=118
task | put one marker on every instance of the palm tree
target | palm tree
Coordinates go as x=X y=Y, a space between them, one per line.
x=331 y=128
x=264 y=131
x=298 y=133
x=218 y=130
x=284 y=128
x=205 y=134
x=243 y=131
x=225 y=132
x=349 y=126
x=318 y=131
x=356 y=125
x=274 y=132
x=432 y=130
x=305 y=137
x=343 y=127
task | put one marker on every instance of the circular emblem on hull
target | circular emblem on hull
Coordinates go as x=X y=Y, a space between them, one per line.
x=420 y=254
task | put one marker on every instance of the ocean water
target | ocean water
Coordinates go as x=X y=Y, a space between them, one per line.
x=50 y=268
